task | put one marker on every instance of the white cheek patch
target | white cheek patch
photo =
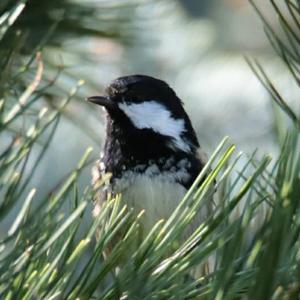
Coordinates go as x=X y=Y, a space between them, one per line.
x=155 y=116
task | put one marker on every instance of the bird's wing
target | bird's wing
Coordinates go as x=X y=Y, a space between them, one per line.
x=101 y=186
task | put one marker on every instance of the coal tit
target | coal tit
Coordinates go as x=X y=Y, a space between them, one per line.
x=151 y=149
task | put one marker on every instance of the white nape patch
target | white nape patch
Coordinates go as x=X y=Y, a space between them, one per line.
x=155 y=116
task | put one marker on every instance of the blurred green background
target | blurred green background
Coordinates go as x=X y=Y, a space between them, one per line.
x=55 y=53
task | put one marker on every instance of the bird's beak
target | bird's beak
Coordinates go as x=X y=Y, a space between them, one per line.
x=102 y=100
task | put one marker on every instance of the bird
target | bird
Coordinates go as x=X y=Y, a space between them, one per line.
x=151 y=149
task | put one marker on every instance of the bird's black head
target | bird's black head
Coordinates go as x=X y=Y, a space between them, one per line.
x=146 y=119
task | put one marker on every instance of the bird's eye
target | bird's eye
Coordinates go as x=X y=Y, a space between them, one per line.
x=115 y=91
x=122 y=90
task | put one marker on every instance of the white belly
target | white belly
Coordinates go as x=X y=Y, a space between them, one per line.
x=157 y=196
